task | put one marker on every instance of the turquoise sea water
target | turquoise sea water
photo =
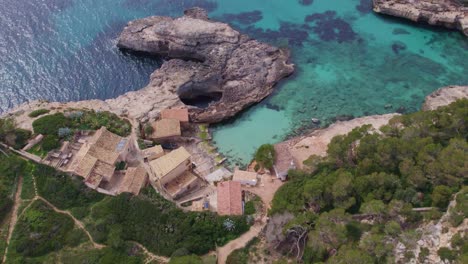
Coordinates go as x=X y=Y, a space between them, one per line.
x=349 y=61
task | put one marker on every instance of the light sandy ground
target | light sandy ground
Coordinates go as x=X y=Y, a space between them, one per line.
x=14 y=216
x=316 y=143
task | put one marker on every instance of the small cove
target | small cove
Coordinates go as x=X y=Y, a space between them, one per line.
x=349 y=61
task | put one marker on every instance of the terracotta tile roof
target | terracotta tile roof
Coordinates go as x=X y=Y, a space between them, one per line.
x=93 y=180
x=284 y=160
x=180 y=114
x=104 y=169
x=108 y=140
x=103 y=155
x=165 y=164
x=175 y=186
x=85 y=165
x=240 y=175
x=229 y=198
x=134 y=180
x=166 y=128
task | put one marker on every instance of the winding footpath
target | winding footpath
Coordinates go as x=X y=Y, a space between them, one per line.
x=14 y=216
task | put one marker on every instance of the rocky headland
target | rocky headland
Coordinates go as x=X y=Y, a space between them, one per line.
x=447 y=13
x=209 y=62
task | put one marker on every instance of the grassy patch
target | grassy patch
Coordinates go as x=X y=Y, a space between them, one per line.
x=38 y=151
x=40 y=231
x=27 y=191
x=38 y=112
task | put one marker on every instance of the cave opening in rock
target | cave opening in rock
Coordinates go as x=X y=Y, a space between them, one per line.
x=200 y=94
x=200 y=99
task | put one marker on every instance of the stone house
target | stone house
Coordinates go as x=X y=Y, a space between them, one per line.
x=173 y=173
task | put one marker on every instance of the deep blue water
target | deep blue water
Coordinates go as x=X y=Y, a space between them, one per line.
x=349 y=60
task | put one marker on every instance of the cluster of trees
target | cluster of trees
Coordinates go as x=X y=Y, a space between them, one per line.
x=160 y=226
x=11 y=135
x=417 y=160
x=265 y=156
x=148 y=218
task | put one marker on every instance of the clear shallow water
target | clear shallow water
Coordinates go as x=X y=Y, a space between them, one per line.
x=349 y=61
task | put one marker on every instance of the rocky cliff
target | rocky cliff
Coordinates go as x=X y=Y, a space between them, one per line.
x=447 y=13
x=213 y=69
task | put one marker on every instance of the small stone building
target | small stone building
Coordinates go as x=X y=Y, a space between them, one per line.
x=165 y=129
x=229 y=196
x=180 y=114
x=173 y=172
x=153 y=153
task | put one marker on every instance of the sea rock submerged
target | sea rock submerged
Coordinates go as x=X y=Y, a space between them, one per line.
x=212 y=68
x=447 y=13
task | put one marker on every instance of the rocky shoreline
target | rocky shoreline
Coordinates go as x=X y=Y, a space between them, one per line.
x=447 y=13
x=316 y=142
x=205 y=59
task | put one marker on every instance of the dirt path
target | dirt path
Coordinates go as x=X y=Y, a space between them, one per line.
x=77 y=222
x=224 y=251
x=266 y=191
x=14 y=216
x=151 y=256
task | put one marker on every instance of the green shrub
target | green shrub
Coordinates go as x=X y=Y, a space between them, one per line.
x=266 y=155
x=50 y=124
x=148 y=130
x=191 y=259
x=446 y=254
x=249 y=208
x=50 y=142
x=12 y=136
x=38 y=112
x=21 y=138
x=40 y=230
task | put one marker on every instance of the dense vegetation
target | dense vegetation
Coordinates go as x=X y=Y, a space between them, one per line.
x=148 y=218
x=58 y=124
x=265 y=156
x=40 y=231
x=38 y=112
x=418 y=160
x=11 y=135
x=10 y=168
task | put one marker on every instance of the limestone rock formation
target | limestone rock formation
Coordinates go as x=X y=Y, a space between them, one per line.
x=211 y=67
x=444 y=96
x=447 y=13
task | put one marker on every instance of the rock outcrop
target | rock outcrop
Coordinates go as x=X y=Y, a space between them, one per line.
x=212 y=68
x=447 y=13
x=444 y=96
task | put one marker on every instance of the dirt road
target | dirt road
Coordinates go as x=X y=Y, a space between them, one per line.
x=14 y=216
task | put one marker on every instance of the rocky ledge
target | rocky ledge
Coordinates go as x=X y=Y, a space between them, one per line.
x=448 y=13
x=212 y=69
x=444 y=96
